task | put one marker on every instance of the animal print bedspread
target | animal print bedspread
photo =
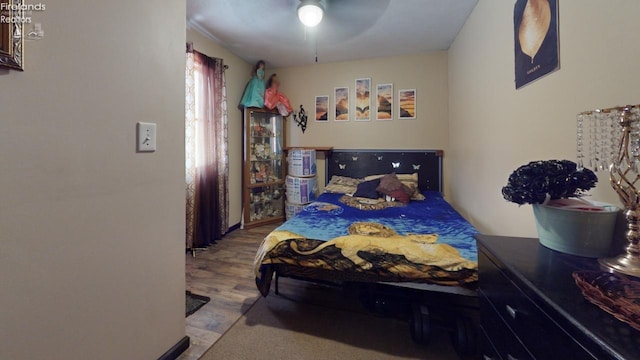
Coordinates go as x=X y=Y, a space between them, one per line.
x=425 y=241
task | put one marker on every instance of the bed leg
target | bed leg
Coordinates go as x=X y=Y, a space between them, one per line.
x=277 y=288
x=464 y=336
x=420 y=325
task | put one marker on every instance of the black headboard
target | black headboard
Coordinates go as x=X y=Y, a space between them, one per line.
x=361 y=163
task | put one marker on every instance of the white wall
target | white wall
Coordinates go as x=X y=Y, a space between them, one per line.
x=91 y=233
x=495 y=128
x=237 y=75
x=427 y=73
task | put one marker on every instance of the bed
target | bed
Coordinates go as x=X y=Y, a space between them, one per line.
x=423 y=245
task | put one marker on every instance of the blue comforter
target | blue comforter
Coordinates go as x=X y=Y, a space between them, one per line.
x=328 y=218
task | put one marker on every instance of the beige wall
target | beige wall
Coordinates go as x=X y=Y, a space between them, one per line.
x=494 y=128
x=237 y=75
x=427 y=73
x=91 y=233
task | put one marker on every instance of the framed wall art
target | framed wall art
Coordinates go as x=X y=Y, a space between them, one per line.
x=407 y=104
x=363 y=99
x=535 y=33
x=384 y=101
x=322 y=108
x=341 y=102
x=11 y=31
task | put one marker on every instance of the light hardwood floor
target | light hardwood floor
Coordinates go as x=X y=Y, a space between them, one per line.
x=224 y=273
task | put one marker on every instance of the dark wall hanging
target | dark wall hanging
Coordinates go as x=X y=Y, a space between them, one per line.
x=301 y=119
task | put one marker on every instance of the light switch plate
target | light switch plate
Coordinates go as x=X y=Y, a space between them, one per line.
x=146 y=137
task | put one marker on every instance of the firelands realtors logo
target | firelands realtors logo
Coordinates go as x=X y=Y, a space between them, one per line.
x=13 y=13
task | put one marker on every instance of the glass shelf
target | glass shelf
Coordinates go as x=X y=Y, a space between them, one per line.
x=266 y=202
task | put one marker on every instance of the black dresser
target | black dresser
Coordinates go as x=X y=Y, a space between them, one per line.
x=531 y=307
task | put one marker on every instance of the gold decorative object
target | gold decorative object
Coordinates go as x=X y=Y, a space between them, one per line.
x=624 y=177
x=623 y=157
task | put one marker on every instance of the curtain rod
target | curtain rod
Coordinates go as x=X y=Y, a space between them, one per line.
x=190 y=49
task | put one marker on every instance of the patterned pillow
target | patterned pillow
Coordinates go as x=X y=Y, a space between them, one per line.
x=342 y=185
x=368 y=204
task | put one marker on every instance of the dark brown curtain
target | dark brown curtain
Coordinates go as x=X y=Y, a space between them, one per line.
x=207 y=216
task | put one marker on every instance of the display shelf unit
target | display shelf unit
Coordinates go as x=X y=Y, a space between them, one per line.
x=264 y=167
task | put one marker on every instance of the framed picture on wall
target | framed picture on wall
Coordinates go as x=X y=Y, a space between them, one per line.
x=11 y=30
x=341 y=102
x=384 y=101
x=363 y=99
x=407 y=104
x=535 y=33
x=322 y=108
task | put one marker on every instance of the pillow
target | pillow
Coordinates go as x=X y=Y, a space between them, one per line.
x=412 y=185
x=401 y=195
x=367 y=189
x=367 y=204
x=342 y=185
x=401 y=177
x=391 y=186
x=409 y=180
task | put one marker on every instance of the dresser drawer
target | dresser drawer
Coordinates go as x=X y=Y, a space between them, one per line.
x=507 y=345
x=539 y=334
x=489 y=351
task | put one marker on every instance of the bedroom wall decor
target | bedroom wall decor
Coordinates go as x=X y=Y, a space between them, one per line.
x=384 y=101
x=11 y=30
x=407 y=104
x=535 y=30
x=341 y=102
x=322 y=108
x=301 y=119
x=363 y=99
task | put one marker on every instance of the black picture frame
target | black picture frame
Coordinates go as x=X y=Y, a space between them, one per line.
x=536 y=38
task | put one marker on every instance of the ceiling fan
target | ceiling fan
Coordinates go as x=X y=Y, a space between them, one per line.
x=269 y=28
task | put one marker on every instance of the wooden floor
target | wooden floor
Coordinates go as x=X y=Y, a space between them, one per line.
x=224 y=273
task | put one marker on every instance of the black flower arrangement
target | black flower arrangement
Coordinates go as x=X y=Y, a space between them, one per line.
x=531 y=183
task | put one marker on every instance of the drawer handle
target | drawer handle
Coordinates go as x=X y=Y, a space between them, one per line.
x=511 y=357
x=512 y=312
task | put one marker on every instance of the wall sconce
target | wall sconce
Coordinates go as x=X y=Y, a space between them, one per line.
x=301 y=119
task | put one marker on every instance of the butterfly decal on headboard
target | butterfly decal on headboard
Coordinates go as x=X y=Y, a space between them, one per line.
x=395 y=165
x=380 y=157
x=342 y=166
x=354 y=158
x=416 y=167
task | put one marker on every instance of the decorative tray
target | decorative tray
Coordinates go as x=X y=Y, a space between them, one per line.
x=616 y=294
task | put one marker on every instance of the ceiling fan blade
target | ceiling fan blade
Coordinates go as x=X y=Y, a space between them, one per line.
x=346 y=19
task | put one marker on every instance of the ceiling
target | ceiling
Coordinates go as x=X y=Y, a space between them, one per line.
x=350 y=29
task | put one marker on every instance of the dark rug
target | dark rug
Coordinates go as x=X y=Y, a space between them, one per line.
x=195 y=302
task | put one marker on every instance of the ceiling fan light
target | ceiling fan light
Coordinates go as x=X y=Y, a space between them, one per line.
x=310 y=13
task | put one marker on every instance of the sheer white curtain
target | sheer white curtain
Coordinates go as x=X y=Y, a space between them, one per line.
x=206 y=150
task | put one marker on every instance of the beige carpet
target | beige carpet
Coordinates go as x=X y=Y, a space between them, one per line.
x=279 y=328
